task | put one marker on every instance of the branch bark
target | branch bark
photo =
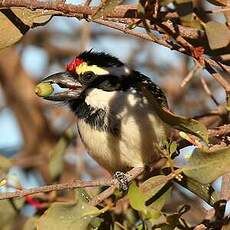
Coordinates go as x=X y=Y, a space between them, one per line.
x=122 y=11
x=113 y=183
x=57 y=187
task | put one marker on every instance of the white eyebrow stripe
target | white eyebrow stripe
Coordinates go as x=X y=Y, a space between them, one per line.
x=84 y=67
x=116 y=71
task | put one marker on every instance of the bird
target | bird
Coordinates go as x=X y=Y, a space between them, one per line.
x=118 y=125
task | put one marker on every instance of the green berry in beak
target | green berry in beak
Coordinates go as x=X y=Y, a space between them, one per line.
x=44 y=89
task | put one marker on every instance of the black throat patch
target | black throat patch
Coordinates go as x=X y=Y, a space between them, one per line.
x=98 y=119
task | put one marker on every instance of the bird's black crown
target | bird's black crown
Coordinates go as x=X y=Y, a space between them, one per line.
x=100 y=59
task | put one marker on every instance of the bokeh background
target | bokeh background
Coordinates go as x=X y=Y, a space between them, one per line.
x=31 y=129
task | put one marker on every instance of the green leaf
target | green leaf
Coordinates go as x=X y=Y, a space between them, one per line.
x=64 y=216
x=151 y=186
x=82 y=194
x=15 y=22
x=218 y=34
x=136 y=198
x=204 y=191
x=56 y=155
x=8 y=213
x=137 y=201
x=188 y=125
x=105 y=7
x=207 y=166
x=96 y=222
x=152 y=214
x=172 y=147
x=164 y=197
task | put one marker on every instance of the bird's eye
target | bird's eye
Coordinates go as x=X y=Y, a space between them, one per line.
x=87 y=77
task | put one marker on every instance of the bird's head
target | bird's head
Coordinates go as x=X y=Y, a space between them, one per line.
x=87 y=71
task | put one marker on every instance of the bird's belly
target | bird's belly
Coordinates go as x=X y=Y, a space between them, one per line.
x=133 y=146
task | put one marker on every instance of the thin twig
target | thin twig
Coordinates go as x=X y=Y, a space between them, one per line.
x=153 y=36
x=124 y=29
x=218 y=77
x=171 y=32
x=190 y=75
x=184 y=31
x=144 y=36
x=208 y=91
x=57 y=187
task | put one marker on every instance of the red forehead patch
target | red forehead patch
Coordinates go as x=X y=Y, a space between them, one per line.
x=71 y=67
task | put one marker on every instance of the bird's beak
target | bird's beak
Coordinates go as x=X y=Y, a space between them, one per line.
x=59 y=87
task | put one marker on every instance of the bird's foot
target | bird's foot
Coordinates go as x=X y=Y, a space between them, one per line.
x=122 y=180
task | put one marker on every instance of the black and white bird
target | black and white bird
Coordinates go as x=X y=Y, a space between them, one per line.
x=116 y=122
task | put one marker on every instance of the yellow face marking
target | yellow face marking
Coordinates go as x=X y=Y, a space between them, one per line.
x=82 y=68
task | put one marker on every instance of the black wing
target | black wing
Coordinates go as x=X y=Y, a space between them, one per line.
x=153 y=88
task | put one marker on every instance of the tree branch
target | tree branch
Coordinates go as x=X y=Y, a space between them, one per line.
x=144 y=36
x=57 y=187
x=122 y=11
x=113 y=183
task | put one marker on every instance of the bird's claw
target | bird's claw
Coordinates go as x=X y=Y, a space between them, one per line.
x=122 y=180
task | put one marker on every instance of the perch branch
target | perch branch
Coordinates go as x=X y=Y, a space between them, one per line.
x=57 y=187
x=133 y=173
x=122 y=11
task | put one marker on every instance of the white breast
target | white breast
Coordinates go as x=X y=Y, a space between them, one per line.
x=140 y=129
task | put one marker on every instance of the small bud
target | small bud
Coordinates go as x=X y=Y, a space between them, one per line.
x=44 y=89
